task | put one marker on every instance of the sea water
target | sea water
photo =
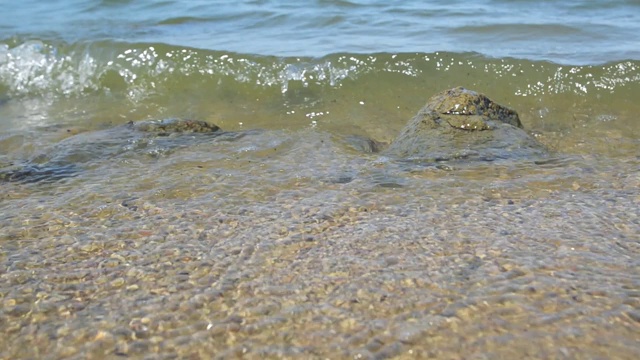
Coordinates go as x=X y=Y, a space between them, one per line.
x=280 y=239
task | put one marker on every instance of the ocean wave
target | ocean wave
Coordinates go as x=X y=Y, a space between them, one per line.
x=139 y=70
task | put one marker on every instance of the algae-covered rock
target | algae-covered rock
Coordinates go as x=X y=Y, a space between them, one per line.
x=463 y=124
x=172 y=126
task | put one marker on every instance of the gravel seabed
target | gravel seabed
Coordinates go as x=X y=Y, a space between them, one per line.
x=256 y=260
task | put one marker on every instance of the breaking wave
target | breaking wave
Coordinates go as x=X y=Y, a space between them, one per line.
x=37 y=68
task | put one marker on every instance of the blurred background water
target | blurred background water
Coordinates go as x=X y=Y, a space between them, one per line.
x=567 y=32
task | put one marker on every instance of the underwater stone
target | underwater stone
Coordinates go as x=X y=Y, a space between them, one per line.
x=462 y=124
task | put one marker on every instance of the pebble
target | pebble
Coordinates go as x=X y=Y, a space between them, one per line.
x=118 y=282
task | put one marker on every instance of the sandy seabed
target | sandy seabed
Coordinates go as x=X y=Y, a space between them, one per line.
x=537 y=263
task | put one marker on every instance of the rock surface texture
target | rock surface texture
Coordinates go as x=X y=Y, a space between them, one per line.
x=461 y=124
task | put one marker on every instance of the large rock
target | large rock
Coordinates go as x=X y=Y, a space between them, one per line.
x=460 y=124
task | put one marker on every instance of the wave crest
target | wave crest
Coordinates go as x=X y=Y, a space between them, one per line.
x=142 y=70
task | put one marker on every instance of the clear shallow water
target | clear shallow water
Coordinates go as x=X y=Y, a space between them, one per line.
x=289 y=241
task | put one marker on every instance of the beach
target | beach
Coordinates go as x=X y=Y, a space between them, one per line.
x=282 y=235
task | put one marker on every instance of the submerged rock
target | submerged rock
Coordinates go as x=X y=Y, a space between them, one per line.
x=153 y=137
x=461 y=124
x=455 y=125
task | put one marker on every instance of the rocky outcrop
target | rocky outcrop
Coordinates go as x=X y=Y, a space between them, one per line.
x=461 y=124
x=455 y=125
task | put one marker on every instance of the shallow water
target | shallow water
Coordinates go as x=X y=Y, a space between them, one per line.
x=287 y=243
x=279 y=238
